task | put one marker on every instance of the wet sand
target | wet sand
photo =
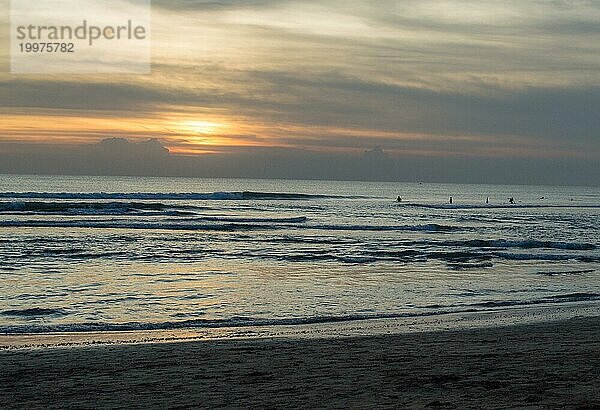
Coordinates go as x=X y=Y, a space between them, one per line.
x=554 y=364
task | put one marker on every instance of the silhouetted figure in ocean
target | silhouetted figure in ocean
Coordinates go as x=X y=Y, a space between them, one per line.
x=398 y=199
x=487 y=200
x=511 y=200
x=450 y=200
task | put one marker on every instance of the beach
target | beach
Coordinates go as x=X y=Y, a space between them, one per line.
x=551 y=364
x=169 y=292
x=300 y=204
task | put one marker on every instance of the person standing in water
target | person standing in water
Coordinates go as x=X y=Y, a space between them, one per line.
x=487 y=200
x=398 y=199
x=450 y=200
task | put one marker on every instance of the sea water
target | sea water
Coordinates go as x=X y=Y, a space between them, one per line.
x=127 y=253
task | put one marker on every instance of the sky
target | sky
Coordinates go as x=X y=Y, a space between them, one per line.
x=423 y=90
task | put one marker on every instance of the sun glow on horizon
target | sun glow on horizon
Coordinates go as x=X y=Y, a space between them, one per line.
x=205 y=132
x=201 y=127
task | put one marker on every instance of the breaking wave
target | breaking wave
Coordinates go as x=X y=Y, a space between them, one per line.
x=88 y=208
x=189 y=196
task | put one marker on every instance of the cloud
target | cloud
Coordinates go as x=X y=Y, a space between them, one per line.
x=85 y=95
x=121 y=157
x=467 y=78
x=111 y=156
x=204 y=5
x=548 y=118
x=123 y=148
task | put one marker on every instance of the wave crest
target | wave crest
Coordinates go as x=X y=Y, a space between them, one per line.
x=189 y=196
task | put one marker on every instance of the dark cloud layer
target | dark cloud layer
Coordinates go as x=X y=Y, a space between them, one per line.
x=120 y=157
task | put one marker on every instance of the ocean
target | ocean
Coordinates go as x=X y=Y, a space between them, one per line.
x=81 y=254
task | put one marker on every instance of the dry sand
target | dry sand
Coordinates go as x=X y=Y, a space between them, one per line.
x=554 y=364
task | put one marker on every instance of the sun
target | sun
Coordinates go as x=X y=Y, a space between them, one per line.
x=201 y=127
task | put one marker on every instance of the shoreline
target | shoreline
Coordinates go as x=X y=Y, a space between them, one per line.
x=486 y=319
x=501 y=317
x=554 y=364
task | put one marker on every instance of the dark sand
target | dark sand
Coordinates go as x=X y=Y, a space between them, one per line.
x=553 y=365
